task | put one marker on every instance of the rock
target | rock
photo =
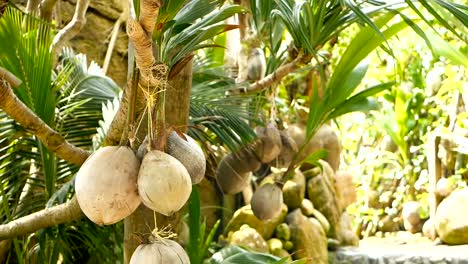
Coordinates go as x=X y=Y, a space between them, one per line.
x=93 y=38
x=275 y=246
x=248 y=237
x=282 y=231
x=294 y=190
x=308 y=238
x=321 y=192
x=324 y=138
x=444 y=187
x=346 y=235
x=244 y=215
x=284 y=254
x=288 y=245
x=345 y=189
x=333 y=244
x=387 y=224
x=322 y=220
x=451 y=218
x=411 y=216
x=307 y=207
x=427 y=228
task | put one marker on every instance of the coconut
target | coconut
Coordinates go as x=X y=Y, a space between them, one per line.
x=164 y=183
x=288 y=150
x=267 y=201
x=231 y=177
x=269 y=145
x=162 y=251
x=106 y=185
x=189 y=153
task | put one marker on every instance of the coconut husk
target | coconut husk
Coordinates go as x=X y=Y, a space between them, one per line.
x=288 y=150
x=233 y=174
x=268 y=147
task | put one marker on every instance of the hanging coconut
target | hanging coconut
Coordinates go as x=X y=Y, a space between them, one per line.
x=164 y=183
x=189 y=153
x=269 y=145
x=288 y=150
x=106 y=185
x=161 y=251
x=267 y=201
x=231 y=176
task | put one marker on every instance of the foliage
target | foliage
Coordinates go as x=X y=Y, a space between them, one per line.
x=69 y=100
x=388 y=149
x=184 y=27
x=238 y=255
x=197 y=247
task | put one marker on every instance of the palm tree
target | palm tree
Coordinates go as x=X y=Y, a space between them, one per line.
x=177 y=30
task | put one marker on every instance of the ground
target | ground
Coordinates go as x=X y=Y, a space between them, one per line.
x=401 y=247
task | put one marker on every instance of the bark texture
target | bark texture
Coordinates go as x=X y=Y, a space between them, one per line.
x=177 y=114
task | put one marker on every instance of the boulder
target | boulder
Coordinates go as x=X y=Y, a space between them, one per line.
x=308 y=237
x=345 y=189
x=321 y=191
x=346 y=235
x=248 y=237
x=427 y=228
x=307 y=207
x=245 y=215
x=411 y=216
x=387 y=224
x=294 y=190
x=322 y=220
x=451 y=218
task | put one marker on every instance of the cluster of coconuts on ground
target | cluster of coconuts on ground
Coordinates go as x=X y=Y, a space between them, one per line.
x=112 y=183
x=235 y=169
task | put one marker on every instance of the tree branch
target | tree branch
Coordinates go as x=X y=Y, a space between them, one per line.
x=115 y=32
x=27 y=119
x=46 y=7
x=59 y=214
x=275 y=76
x=72 y=28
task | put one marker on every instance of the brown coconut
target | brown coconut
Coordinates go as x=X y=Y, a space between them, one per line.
x=164 y=183
x=161 y=251
x=268 y=147
x=267 y=201
x=189 y=153
x=288 y=150
x=234 y=171
x=106 y=185
x=324 y=138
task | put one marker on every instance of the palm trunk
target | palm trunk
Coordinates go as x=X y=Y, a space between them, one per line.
x=177 y=113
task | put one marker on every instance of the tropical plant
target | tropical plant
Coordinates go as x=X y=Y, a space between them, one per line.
x=179 y=29
x=198 y=244
x=69 y=100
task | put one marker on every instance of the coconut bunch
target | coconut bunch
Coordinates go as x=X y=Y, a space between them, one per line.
x=165 y=178
x=112 y=182
x=272 y=146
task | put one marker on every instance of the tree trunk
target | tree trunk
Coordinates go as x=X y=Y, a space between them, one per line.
x=177 y=114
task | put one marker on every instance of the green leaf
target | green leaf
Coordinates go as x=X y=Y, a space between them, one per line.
x=314 y=157
x=366 y=41
x=237 y=255
x=194 y=223
x=360 y=101
x=442 y=48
